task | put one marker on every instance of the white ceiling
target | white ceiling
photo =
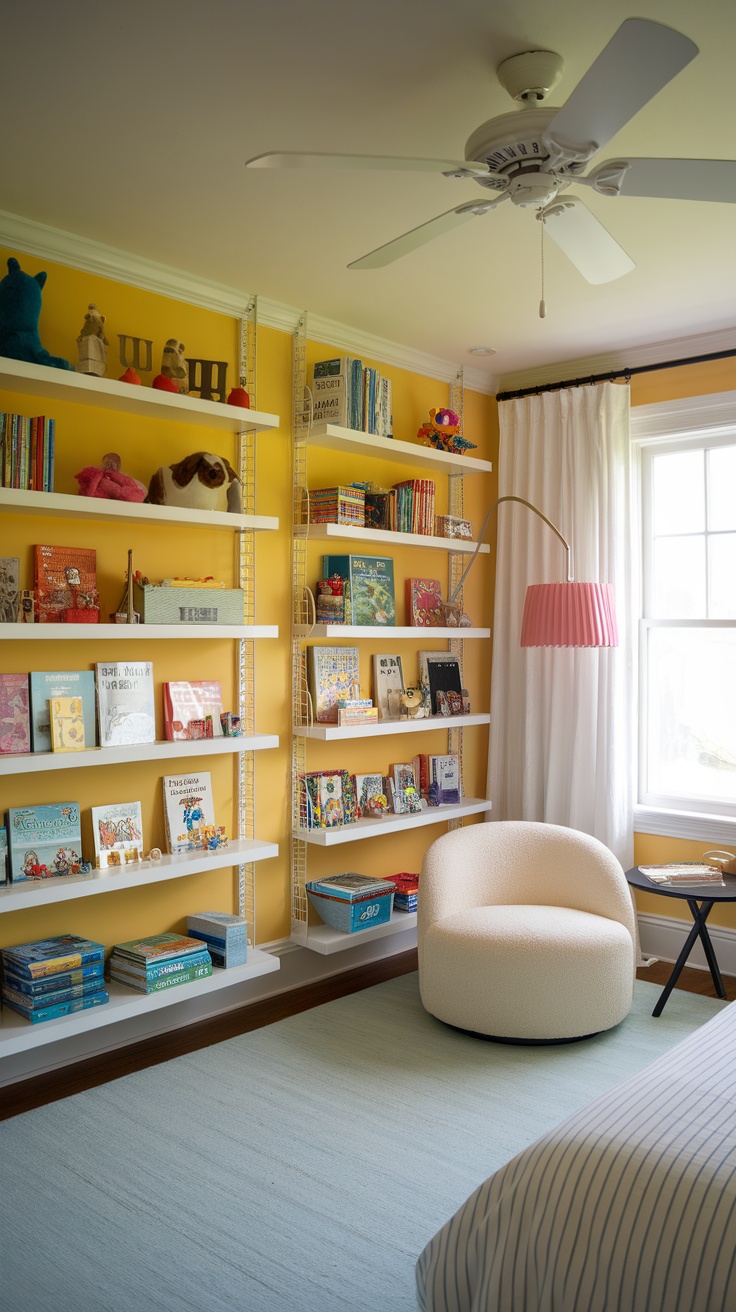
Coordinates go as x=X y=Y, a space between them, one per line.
x=130 y=124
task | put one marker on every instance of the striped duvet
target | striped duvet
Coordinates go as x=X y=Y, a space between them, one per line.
x=628 y=1206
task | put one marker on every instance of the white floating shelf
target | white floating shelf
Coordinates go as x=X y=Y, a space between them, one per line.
x=110 y=394
x=62 y=888
x=60 y=504
x=35 y=762
x=19 y=1035
x=390 y=824
x=383 y=633
x=333 y=437
x=323 y=939
x=373 y=535
x=329 y=732
x=134 y=632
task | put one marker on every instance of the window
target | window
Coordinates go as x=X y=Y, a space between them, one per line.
x=687 y=635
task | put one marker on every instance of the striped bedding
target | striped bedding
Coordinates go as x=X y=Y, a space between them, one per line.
x=628 y=1206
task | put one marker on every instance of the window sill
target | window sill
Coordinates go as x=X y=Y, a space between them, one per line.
x=685 y=824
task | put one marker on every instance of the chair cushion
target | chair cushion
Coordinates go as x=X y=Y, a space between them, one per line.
x=528 y=972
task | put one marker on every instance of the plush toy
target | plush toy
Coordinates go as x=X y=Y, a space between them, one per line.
x=201 y=481
x=108 y=482
x=20 y=306
x=442 y=431
x=173 y=364
x=92 y=344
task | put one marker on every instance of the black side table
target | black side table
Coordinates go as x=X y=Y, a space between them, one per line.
x=700 y=899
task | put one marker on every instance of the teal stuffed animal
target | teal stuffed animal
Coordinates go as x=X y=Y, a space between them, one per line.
x=20 y=306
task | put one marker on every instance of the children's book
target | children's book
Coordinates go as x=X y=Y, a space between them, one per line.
x=330 y=799
x=125 y=701
x=333 y=674
x=3 y=855
x=117 y=834
x=50 y=956
x=9 y=589
x=64 y=979
x=44 y=840
x=62 y=1009
x=439 y=671
x=158 y=947
x=369 y=794
x=193 y=709
x=15 y=731
x=67 y=724
x=51 y=998
x=47 y=684
x=424 y=603
x=444 y=780
x=189 y=808
x=388 y=683
x=350 y=886
x=370 y=580
x=65 y=577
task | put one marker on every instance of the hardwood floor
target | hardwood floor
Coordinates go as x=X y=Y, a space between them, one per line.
x=88 y=1074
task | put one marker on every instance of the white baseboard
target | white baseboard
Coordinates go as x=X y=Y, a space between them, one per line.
x=664 y=936
x=298 y=967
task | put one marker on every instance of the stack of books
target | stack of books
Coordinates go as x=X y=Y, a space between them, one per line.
x=407 y=891
x=225 y=936
x=347 y=393
x=53 y=977
x=160 y=962
x=27 y=452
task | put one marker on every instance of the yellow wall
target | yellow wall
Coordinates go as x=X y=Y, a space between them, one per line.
x=83 y=435
x=646 y=389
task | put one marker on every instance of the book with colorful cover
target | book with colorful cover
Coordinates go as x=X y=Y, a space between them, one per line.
x=9 y=589
x=444 y=780
x=351 y=887
x=330 y=799
x=51 y=956
x=439 y=672
x=33 y=989
x=117 y=833
x=3 y=855
x=37 y=1001
x=15 y=725
x=151 y=970
x=370 y=581
x=125 y=700
x=47 y=684
x=62 y=1009
x=67 y=724
x=65 y=577
x=144 y=984
x=189 y=806
x=369 y=794
x=192 y=709
x=44 y=840
x=333 y=674
x=157 y=947
x=388 y=684
x=424 y=603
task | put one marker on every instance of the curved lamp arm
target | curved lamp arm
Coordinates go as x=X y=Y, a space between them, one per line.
x=489 y=512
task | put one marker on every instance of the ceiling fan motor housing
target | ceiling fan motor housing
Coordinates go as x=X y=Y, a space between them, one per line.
x=513 y=147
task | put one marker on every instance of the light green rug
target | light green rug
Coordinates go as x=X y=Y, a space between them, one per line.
x=299 y=1168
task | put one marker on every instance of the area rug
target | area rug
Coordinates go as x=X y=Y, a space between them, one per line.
x=298 y=1168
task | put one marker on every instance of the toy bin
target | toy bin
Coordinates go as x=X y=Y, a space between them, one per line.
x=350 y=917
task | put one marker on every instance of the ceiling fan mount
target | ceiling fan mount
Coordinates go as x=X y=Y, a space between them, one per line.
x=530 y=76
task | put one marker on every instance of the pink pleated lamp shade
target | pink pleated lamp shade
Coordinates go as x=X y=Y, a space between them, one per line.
x=569 y=615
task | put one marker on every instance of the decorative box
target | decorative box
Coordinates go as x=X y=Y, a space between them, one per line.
x=350 y=917
x=157 y=605
x=225 y=936
x=337 y=505
x=451 y=526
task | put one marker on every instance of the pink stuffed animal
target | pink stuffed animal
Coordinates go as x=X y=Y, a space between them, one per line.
x=107 y=481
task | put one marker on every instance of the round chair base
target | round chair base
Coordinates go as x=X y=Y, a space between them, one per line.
x=541 y=974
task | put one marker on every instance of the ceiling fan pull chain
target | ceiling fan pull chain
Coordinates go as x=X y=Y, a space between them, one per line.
x=542 y=303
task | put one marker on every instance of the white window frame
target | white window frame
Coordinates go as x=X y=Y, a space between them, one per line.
x=698 y=420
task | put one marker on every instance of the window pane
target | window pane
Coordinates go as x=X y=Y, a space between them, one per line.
x=678 y=489
x=722 y=577
x=692 y=715
x=679 y=579
x=722 y=488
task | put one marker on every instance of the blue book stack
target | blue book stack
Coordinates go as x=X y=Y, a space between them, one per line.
x=53 y=977
x=225 y=937
x=159 y=962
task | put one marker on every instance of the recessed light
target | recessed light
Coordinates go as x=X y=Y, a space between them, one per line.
x=481 y=350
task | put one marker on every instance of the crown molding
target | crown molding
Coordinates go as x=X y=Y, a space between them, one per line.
x=675 y=348
x=45 y=242
x=709 y=414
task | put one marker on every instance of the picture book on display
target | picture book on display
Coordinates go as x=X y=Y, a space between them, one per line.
x=444 y=780
x=51 y=956
x=330 y=799
x=67 y=724
x=15 y=729
x=388 y=684
x=193 y=709
x=3 y=855
x=44 y=840
x=117 y=833
x=369 y=794
x=370 y=581
x=125 y=701
x=333 y=673
x=424 y=603
x=9 y=589
x=65 y=577
x=44 y=685
x=441 y=682
x=189 y=807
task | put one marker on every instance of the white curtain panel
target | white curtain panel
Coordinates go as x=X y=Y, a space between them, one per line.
x=562 y=718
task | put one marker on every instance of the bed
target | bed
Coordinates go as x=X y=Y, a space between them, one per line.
x=628 y=1206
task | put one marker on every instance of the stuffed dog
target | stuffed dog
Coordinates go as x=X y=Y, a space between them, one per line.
x=201 y=481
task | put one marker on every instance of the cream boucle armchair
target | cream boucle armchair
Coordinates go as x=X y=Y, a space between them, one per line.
x=526 y=932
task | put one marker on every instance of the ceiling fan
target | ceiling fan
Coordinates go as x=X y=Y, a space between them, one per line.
x=532 y=155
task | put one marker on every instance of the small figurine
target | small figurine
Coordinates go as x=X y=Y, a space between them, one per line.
x=173 y=364
x=442 y=431
x=92 y=344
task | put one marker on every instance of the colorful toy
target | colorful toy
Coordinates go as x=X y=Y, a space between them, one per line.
x=20 y=307
x=201 y=481
x=92 y=344
x=442 y=431
x=108 y=482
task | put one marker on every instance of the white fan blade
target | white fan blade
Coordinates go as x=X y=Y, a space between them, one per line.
x=585 y=242
x=640 y=59
x=295 y=159
x=410 y=241
x=670 y=179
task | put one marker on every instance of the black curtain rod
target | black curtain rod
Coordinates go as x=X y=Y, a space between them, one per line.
x=613 y=374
